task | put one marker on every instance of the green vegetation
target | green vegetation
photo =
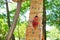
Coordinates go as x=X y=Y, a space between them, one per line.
x=52 y=15
x=53 y=18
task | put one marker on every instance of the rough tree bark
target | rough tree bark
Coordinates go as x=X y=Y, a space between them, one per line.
x=36 y=9
x=14 y=21
x=8 y=18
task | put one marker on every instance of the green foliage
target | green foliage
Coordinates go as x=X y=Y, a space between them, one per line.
x=52 y=9
x=53 y=18
x=53 y=34
x=21 y=29
x=3 y=28
x=2 y=2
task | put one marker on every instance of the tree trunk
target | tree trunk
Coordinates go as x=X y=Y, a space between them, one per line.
x=44 y=20
x=36 y=9
x=8 y=18
x=8 y=15
x=14 y=21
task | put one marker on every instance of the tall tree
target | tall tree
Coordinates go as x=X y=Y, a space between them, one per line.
x=8 y=18
x=35 y=21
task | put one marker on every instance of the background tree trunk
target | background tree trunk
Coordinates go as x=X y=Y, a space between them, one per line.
x=8 y=18
x=14 y=21
x=44 y=20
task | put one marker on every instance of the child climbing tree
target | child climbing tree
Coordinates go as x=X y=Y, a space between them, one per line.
x=35 y=28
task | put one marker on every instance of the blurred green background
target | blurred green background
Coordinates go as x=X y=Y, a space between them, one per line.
x=52 y=19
